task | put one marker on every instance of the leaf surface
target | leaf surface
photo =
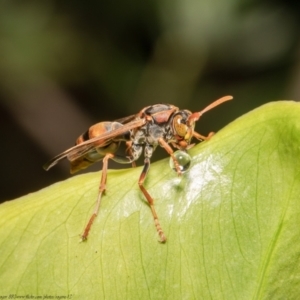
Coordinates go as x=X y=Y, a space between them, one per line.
x=232 y=223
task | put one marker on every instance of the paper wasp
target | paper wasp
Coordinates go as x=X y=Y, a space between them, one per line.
x=161 y=124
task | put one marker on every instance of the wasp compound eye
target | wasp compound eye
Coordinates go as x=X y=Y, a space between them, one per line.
x=183 y=159
x=179 y=126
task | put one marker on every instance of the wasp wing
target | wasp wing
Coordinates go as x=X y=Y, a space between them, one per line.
x=126 y=120
x=101 y=140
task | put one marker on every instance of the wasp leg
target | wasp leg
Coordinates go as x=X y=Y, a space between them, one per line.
x=170 y=151
x=150 y=200
x=102 y=189
x=129 y=152
x=200 y=137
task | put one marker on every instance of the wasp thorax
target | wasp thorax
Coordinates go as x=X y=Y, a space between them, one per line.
x=183 y=159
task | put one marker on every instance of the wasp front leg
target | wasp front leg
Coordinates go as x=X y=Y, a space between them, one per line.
x=201 y=137
x=170 y=151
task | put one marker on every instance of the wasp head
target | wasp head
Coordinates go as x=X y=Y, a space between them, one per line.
x=183 y=123
x=182 y=128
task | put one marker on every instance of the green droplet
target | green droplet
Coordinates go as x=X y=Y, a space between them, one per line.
x=184 y=161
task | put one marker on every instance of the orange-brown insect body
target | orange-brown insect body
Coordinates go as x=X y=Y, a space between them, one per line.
x=98 y=153
x=162 y=125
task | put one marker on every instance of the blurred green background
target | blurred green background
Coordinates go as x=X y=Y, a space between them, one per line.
x=65 y=65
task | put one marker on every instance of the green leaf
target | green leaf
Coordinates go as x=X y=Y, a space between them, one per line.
x=232 y=223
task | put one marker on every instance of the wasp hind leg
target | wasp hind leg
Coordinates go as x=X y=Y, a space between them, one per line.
x=102 y=188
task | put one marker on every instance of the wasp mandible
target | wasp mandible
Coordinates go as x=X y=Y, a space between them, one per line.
x=162 y=125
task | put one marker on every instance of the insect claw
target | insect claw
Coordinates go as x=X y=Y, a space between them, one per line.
x=210 y=135
x=162 y=237
x=82 y=239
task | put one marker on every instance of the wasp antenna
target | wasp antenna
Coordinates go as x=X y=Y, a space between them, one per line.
x=214 y=104
x=195 y=116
